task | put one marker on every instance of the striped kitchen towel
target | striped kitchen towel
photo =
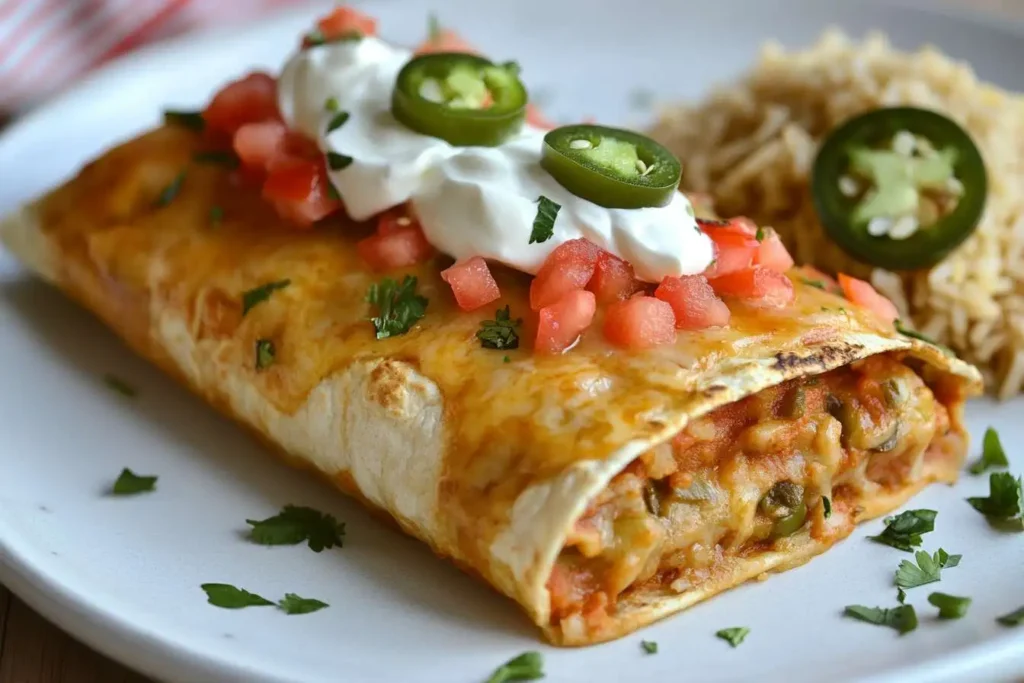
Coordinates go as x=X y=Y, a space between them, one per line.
x=46 y=44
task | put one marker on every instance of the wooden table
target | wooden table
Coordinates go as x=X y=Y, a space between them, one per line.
x=34 y=651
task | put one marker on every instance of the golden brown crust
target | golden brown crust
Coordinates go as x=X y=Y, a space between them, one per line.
x=489 y=462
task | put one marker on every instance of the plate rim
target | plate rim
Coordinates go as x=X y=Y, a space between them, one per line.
x=96 y=624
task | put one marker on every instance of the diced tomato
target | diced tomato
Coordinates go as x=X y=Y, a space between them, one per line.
x=863 y=294
x=472 y=283
x=399 y=249
x=536 y=118
x=445 y=41
x=570 y=266
x=757 y=286
x=257 y=143
x=735 y=244
x=249 y=100
x=693 y=302
x=772 y=253
x=569 y=588
x=642 y=322
x=562 y=322
x=345 y=21
x=298 y=190
x=613 y=279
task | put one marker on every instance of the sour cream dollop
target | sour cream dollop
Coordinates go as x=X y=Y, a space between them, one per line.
x=470 y=201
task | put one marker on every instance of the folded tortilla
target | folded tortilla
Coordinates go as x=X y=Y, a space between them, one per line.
x=601 y=490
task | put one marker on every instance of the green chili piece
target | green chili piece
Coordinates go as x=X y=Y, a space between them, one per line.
x=611 y=167
x=895 y=185
x=462 y=99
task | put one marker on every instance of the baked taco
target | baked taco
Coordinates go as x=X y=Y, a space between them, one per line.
x=603 y=428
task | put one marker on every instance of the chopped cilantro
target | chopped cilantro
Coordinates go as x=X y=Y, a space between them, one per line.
x=216 y=157
x=901 y=595
x=129 y=484
x=398 y=306
x=1014 y=618
x=992 y=453
x=544 y=223
x=229 y=597
x=927 y=570
x=734 y=636
x=120 y=386
x=649 y=646
x=813 y=283
x=338 y=162
x=265 y=352
x=314 y=39
x=902 y=618
x=904 y=530
x=295 y=524
x=506 y=359
x=331 y=104
x=1005 y=502
x=528 y=666
x=827 y=505
x=168 y=194
x=907 y=332
x=433 y=29
x=947 y=561
x=500 y=333
x=293 y=604
x=258 y=295
x=193 y=120
x=336 y=122
x=759 y=235
x=950 y=606
x=216 y=215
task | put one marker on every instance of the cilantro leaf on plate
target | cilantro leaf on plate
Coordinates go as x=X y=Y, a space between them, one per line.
x=120 y=386
x=992 y=453
x=902 y=618
x=734 y=636
x=528 y=666
x=130 y=484
x=649 y=646
x=950 y=606
x=927 y=570
x=295 y=524
x=231 y=597
x=904 y=530
x=1014 y=618
x=294 y=604
x=1004 y=505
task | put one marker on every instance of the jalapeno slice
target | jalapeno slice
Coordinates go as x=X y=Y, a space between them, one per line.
x=615 y=168
x=463 y=99
x=899 y=188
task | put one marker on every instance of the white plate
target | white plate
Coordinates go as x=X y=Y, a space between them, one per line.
x=124 y=575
